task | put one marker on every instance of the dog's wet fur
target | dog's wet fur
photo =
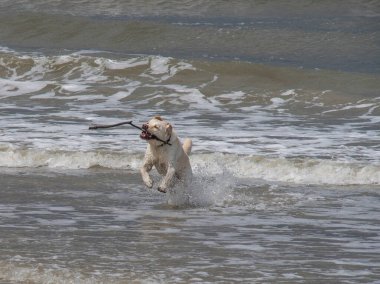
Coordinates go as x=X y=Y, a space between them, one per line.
x=167 y=155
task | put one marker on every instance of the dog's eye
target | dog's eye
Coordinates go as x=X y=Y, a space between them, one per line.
x=155 y=126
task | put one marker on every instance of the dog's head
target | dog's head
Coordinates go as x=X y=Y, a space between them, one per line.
x=156 y=127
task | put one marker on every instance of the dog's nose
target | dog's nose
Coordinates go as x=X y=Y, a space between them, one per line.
x=145 y=126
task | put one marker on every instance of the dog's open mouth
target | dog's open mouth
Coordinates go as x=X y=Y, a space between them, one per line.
x=146 y=135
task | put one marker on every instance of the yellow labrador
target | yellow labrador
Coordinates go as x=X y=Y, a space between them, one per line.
x=166 y=153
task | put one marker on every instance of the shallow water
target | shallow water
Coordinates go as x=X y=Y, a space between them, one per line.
x=281 y=100
x=102 y=226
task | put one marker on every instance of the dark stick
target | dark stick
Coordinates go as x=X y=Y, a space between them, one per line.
x=96 y=126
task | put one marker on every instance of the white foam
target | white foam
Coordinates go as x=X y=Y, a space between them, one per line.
x=276 y=102
x=11 y=87
x=14 y=158
x=166 y=67
x=288 y=93
x=63 y=59
x=159 y=65
x=300 y=171
x=192 y=96
x=122 y=64
x=73 y=88
x=233 y=98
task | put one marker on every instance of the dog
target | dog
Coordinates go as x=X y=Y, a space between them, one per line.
x=166 y=153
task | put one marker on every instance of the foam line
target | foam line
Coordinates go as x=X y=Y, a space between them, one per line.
x=299 y=171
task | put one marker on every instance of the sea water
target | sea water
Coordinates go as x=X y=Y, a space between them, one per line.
x=280 y=98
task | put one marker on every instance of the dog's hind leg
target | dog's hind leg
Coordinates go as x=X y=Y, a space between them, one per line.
x=187 y=144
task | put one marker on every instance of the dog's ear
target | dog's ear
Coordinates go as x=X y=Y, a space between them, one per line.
x=169 y=128
x=158 y=118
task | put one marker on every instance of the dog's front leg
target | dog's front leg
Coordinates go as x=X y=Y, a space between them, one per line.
x=167 y=180
x=145 y=169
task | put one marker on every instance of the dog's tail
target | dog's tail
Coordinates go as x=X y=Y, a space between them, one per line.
x=187 y=144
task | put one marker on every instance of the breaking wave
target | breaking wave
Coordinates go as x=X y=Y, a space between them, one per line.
x=297 y=170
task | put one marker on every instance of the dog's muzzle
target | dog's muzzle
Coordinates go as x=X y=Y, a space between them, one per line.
x=144 y=133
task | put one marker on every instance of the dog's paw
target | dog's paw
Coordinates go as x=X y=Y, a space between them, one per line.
x=149 y=183
x=160 y=189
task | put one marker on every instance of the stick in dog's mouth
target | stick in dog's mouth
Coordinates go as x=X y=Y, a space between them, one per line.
x=144 y=130
x=145 y=135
